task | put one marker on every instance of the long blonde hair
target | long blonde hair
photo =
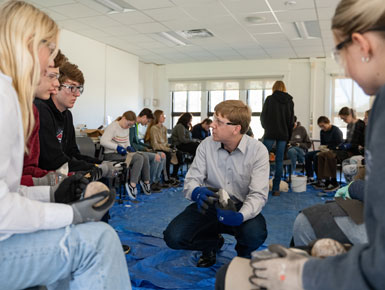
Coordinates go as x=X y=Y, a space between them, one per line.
x=358 y=16
x=23 y=29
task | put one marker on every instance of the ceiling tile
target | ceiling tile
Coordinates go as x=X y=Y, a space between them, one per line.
x=316 y=42
x=99 y=21
x=183 y=24
x=92 y=4
x=211 y=9
x=119 y=30
x=267 y=17
x=246 y=6
x=54 y=15
x=264 y=28
x=327 y=3
x=73 y=25
x=51 y=3
x=93 y=33
x=325 y=13
x=75 y=10
x=296 y=15
x=149 y=4
x=133 y=17
x=166 y=14
x=149 y=27
x=300 y=4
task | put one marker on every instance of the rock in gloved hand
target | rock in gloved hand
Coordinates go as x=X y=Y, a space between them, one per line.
x=323 y=248
x=98 y=200
x=224 y=201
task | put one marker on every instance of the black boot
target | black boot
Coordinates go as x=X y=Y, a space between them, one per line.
x=210 y=258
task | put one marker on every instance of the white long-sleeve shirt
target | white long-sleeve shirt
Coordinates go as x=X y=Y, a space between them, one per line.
x=243 y=173
x=22 y=209
x=113 y=136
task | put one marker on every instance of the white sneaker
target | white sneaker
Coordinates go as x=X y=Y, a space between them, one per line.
x=146 y=187
x=131 y=191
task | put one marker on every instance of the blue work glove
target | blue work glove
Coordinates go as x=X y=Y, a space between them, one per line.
x=121 y=150
x=229 y=217
x=130 y=149
x=345 y=146
x=204 y=197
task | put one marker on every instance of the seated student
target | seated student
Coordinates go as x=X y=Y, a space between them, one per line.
x=181 y=136
x=236 y=163
x=57 y=133
x=298 y=144
x=117 y=147
x=331 y=137
x=157 y=160
x=327 y=161
x=202 y=130
x=49 y=83
x=355 y=164
x=43 y=242
x=156 y=135
x=341 y=220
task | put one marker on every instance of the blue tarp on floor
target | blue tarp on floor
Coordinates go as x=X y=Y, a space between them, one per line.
x=152 y=265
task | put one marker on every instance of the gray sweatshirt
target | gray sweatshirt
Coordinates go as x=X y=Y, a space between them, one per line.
x=363 y=266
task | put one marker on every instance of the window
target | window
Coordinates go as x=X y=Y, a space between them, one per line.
x=186 y=101
x=347 y=93
x=256 y=96
x=215 y=97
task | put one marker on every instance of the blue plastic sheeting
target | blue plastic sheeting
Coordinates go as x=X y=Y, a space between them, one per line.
x=152 y=265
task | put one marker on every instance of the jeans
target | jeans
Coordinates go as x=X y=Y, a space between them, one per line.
x=155 y=166
x=279 y=154
x=295 y=154
x=85 y=256
x=191 y=230
x=311 y=163
x=303 y=232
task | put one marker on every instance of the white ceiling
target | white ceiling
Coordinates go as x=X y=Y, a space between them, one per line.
x=234 y=37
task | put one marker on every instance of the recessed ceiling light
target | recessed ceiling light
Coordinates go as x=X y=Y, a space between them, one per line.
x=255 y=19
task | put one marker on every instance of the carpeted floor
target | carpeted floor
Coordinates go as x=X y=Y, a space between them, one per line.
x=152 y=265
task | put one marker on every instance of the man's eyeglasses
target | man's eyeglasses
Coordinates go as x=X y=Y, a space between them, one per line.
x=222 y=123
x=52 y=76
x=73 y=89
x=342 y=44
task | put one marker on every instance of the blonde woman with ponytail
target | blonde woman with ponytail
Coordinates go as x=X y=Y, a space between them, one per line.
x=37 y=244
x=359 y=34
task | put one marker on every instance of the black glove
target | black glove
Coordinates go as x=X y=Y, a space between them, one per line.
x=93 y=174
x=85 y=210
x=69 y=190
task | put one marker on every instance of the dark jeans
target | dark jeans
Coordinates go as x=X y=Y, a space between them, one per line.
x=311 y=163
x=188 y=147
x=220 y=277
x=191 y=230
x=280 y=147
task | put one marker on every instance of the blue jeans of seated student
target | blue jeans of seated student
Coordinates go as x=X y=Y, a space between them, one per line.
x=311 y=163
x=85 y=256
x=156 y=167
x=280 y=151
x=296 y=153
x=191 y=230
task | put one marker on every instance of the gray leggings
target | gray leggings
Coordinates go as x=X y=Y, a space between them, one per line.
x=139 y=165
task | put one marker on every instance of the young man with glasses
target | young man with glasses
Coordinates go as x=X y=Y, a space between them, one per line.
x=57 y=133
x=228 y=160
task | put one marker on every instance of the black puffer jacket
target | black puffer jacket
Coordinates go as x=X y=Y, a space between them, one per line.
x=277 y=116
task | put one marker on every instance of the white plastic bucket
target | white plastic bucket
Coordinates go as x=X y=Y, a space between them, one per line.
x=298 y=183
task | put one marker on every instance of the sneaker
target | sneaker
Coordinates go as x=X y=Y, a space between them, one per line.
x=146 y=187
x=164 y=185
x=131 y=191
x=310 y=180
x=155 y=187
x=126 y=249
x=331 y=187
x=319 y=185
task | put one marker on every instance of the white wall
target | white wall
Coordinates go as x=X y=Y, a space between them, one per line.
x=307 y=80
x=111 y=79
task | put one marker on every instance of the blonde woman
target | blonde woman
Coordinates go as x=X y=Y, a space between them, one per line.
x=156 y=135
x=359 y=34
x=37 y=244
x=116 y=143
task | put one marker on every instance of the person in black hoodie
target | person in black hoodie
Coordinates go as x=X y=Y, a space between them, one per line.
x=57 y=133
x=277 y=118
